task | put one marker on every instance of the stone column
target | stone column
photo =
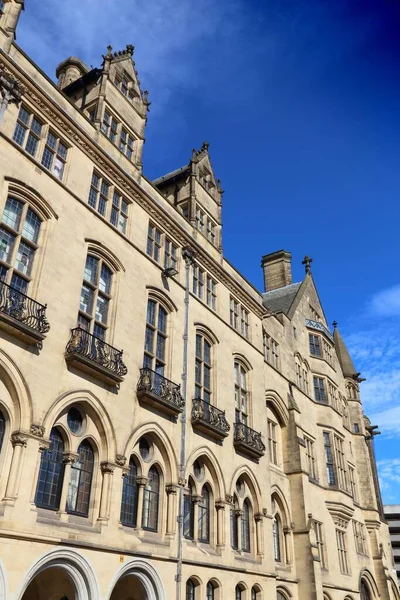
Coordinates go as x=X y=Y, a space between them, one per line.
x=43 y=445
x=238 y=516
x=196 y=500
x=68 y=459
x=19 y=442
x=141 y=483
x=259 y=533
x=171 y=490
x=107 y=470
x=220 y=508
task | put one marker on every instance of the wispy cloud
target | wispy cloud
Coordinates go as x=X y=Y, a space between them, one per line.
x=386 y=303
x=389 y=479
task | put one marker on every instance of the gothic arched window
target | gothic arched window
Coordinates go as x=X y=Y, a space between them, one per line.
x=130 y=496
x=203 y=369
x=364 y=591
x=188 y=514
x=276 y=532
x=80 y=483
x=151 y=498
x=234 y=525
x=246 y=546
x=204 y=516
x=190 y=590
x=2 y=428
x=51 y=473
x=210 y=591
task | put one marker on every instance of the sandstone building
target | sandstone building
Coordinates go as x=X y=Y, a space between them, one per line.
x=166 y=430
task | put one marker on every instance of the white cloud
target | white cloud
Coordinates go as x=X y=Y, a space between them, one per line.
x=389 y=478
x=386 y=303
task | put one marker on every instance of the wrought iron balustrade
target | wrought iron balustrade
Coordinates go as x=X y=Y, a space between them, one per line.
x=248 y=440
x=23 y=312
x=157 y=390
x=209 y=418
x=94 y=352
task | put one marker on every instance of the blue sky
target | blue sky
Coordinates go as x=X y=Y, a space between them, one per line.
x=300 y=101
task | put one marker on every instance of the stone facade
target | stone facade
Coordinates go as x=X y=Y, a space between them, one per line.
x=166 y=429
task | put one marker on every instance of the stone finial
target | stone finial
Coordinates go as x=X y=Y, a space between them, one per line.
x=334 y=324
x=130 y=49
x=307 y=263
x=109 y=50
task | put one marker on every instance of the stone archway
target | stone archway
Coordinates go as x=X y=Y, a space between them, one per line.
x=54 y=583
x=137 y=580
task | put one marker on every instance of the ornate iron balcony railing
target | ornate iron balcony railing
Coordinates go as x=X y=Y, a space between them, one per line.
x=159 y=391
x=93 y=352
x=209 y=418
x=248 y=440
x=18 y=309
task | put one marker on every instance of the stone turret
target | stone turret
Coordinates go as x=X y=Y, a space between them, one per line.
x=69 y=70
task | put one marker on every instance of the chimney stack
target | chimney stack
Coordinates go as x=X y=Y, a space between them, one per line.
x=70 y=70
x=277 y=270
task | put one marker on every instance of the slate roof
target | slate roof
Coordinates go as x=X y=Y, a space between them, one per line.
x=170 y=175
x=281 y=300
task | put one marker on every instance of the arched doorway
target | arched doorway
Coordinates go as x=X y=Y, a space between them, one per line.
x=129 y=588
x=54 y=583
x=137 y=580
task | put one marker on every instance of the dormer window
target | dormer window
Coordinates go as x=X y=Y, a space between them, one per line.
x=125 y=85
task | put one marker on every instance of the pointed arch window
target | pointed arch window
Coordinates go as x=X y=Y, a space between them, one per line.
x=234 y=525
x=241 y=394
x=204 y=516
x=80 y=484
x=190 y=590
x=210 y=591
x=130 y=496
x=246 y=546
x=364 y=591
x=238 y=593
x=19 y=237
x=156 y=337
x=51 y=473
x=188 y=514
x=280 y=596
x=203 y=368
x=2 y=428
x=151 y=498
x=95 y=297
x=276 y=533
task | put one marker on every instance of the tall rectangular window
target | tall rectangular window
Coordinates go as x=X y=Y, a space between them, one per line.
x=198 y=282
x=99 y=194
x=28 y=131
x=119 y=212
x=330 y=465
x=211 y=228
x=126 y=144
x=319 y=389
x=239 y=317
x=352 y=481
x=155 y=338
x=333 y=397
x=170 y=255
x=360 y=537
x=244 y=322
x=320 y=543
x=272 y=442
x=311 y=460
x=315 y=344
x=328 y=352
x=234 y=313
x=200 y=220
x=109 y=126
x=271 y=351
x=342 y=551
x=211 y=293
x=54 y=155
x=154 y=242
x=341 y=463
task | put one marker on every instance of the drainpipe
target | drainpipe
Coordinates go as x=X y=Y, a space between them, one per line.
x=188 y=256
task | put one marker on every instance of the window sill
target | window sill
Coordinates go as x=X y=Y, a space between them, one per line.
x=323 y=360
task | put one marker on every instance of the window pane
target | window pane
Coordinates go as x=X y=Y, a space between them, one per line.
x=114 y=216
x=86 y=303
x=122 y=223
x=6 y=245
x=19 y=134
x=62 y=151
x=12 y=213
x=102 y=309
x=47 y=158
x=90 y=273
x=58 y=168
x=31 y=144
x=105 y=279
x=24 y=258
x=162 y=320
x=151 y=312
x=23 y=115
x=51 y=140
x=19 y=283
x=31 y=226
x=51 y=473
x=160 y=350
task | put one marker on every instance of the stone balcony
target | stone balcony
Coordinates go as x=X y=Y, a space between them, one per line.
x=158 y=392
x=209 y=419
x=247 y=441
x=22 y=316
x=91 y=354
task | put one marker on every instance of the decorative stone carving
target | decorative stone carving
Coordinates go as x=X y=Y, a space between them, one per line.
x=265 y=512
x=171 y=488
x=229 y=499
x=142 y=481
x=37 y=430
x=259 y=516
x=120 y=460
x=182 y=481
x=107 y=467
x=19 y=439
x=69 y=458
x=220 y=505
